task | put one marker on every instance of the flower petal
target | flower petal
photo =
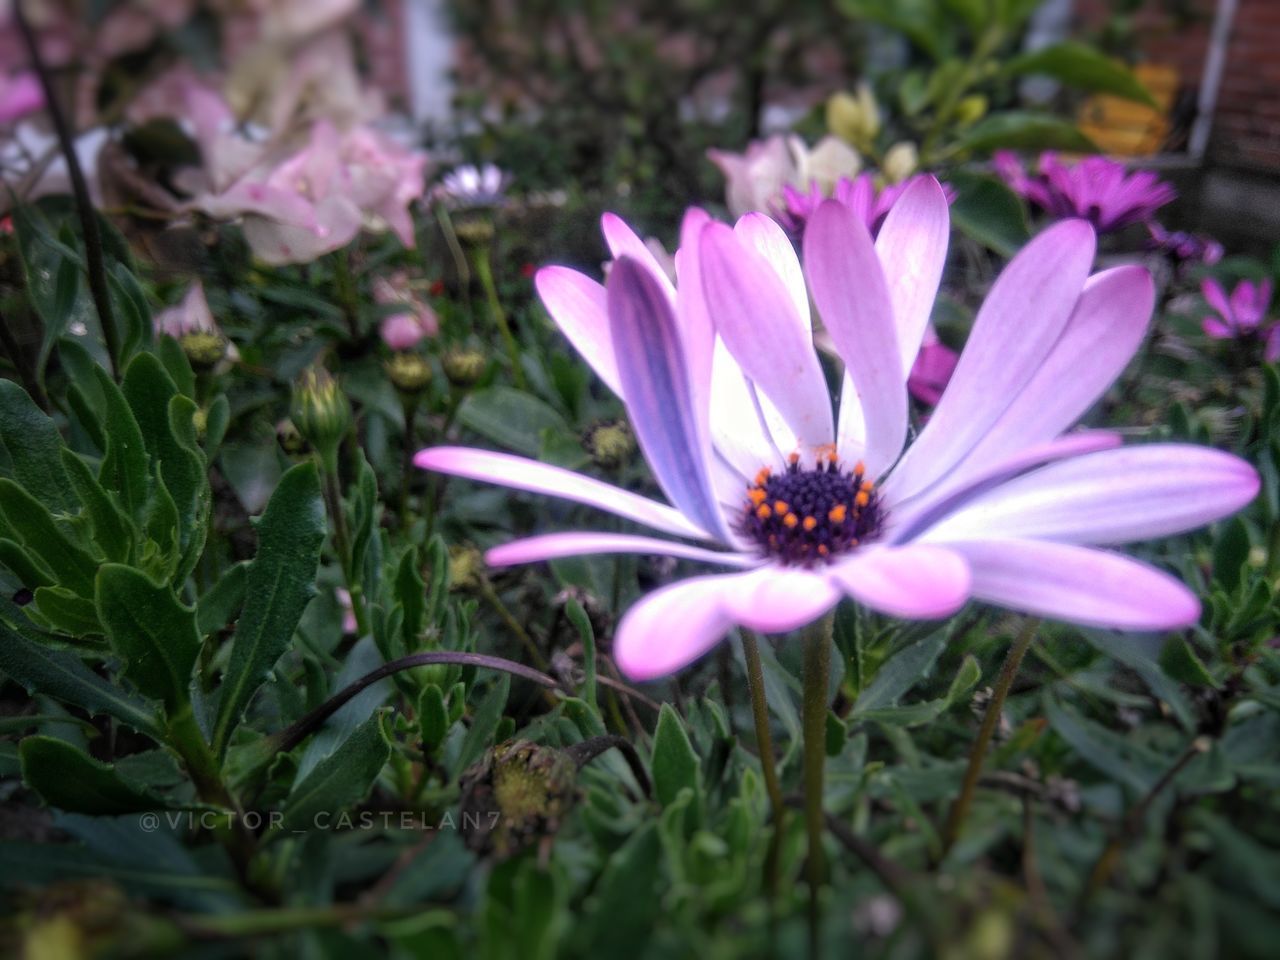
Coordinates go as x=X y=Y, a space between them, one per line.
x=658 y=392
x=769 y=240
x=625 y=242
x=577 y=305
x=1105 y=330
x=756 y=317
x=1116 y=496
x=852 y=297
x=672 y=627
x=551 y=546
x=912 y=247
x=918 y=582
x=1095 y=588
x=520 y=473
x=1022 y=318
x=775 y=599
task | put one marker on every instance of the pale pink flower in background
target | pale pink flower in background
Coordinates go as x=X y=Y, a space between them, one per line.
x=1096 y=189
x=20 y=95
x=406 y=328
x=994 y=500
x=1241 y=315
x=190 y=315
x=756 y=179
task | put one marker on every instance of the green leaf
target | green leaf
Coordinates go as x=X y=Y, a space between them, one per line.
x=221 y=601
x=35 y=448
x=69 y=779
x=1023 y=130
x=124 y=469
x=433 y=716
x=66 y=611
x=1180 y=662
x=484 y=724
x=151 y=631
x=278 y=586
x=989 y=212
x=340 y=779
x=620 y=918
x=510 y=418
x=675 y=765
x=411 y=592
x=582 y=623
x=1083 y=67
x=39 y=668
x=54 y=282
x=113 y=532
x=901 y=672
x=41 y=536
x=1230 y=554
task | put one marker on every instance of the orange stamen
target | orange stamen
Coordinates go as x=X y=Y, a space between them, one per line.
x=790 y=520
x=838 y=513
x=810 y=523
x=764 y=513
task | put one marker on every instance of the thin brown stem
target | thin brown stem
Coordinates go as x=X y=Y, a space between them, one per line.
x=817 y=671
x=990 y=720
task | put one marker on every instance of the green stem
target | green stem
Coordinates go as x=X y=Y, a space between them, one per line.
x=344 y=283
x=990 y=720
x=406 y=460
x=484 y=270
x=817 y=671
x=768 y=764
x=342 y=545
x=491 y=597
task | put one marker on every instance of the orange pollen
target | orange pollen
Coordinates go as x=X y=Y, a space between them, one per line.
x=838 y=513
x=822 y=549
x=763 y=477
x=780 y=506
x=810 y=523
x=763 y=512
x=859 y=467
x=862 y=499
x=756 y=496
x=790 y=520
x=867 y=486
x=793 y=458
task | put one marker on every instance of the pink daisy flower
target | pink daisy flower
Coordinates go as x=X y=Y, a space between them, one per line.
x=806 y=504
x=1242 y=314
x=1096 y=189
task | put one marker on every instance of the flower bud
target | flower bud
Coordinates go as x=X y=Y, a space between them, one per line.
x=517 y=794
x=466 y=567
x=408 y=372
x=321 y=412
x=971 y=109
x=290 y=440
x=204 y=349
x=900 y=161
x=463 y=366
x=474 y=231
x=854 y=118
x=610 y=444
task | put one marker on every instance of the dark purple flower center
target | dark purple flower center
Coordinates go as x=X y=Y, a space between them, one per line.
x=804 y=517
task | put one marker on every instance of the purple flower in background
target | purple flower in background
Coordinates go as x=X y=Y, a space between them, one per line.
x=1096 y=189
x=472 y=186
x=932 y=370
x=860 y=194
x=1242 y=314
x=413 y=321
x=20 y=95
x=994 y=500
x=1182 y=247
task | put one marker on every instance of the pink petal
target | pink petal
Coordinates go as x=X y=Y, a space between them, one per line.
x=624 y=242
x=696 y=326
x=1216 y=297
x=658 y=392
x=912 y=246
x=768 y=239
x=1216 y=329
x=521 y=473
x=850 y=292
x=1022 y=318
x=775 y=599
x=1104 y=331
x=913 y=581
x=551 y=546
x=756 y=317
x=577 y=305
x=1115 y=496
x=671 y=627
x=1094 y=588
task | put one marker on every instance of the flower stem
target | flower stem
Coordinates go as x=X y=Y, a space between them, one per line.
x=406 y=457
x=484 y=270
x=817 y=671
x=342 y=545
x=764 y=746
x=978 y=753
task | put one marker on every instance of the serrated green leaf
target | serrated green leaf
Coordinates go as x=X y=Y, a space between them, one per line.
x=67 y=612
x=1083 y=67
x=340 y=779
x=484 y=725
x=27 y=517
x=113 y=532
x=71 y=780
x=901 y=672
x=150 y=630
x=279 y=584
x=675 y=765
x=35 y=448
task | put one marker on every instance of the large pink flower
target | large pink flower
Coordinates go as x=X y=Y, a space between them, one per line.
x=806 y=505
x=1096 y=189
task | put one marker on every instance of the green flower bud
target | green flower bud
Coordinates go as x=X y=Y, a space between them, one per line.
x=290 y=440
x=466 y=567
x=474 y=231
x=200 y=420
x=517 y=794
x=463 y=366
x=855 y=119
x=971 y=109
x=204 y=349
x=321 y=412
x=900 y=161
x=610 y=444
x=408 y=372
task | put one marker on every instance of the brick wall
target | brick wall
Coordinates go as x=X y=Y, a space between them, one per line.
x=1246 y=125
